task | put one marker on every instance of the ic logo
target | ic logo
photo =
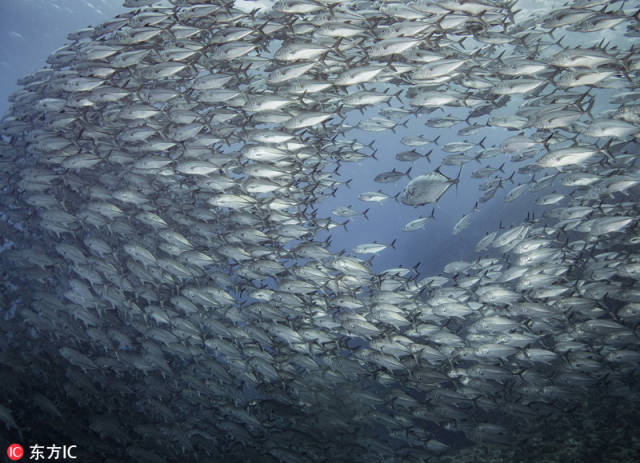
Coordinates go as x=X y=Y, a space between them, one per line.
x=15 y=452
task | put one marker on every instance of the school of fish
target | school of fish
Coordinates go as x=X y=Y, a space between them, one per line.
x=170 y=289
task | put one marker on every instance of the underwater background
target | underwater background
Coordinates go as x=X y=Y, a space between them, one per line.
x=191 y=268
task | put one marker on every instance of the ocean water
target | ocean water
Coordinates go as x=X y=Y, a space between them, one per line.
x=555 y=410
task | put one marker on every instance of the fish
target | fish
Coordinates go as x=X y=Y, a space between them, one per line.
x=459 y=147
x=372 y=248
x=410 y=156
x=348 y=212
x=465 y=221
x=516 y=192
x=427 y=188
x=417 y=140
x=391 y=176
x=574 y=155
x=417 y=224
x=374 y=196
x=173 y=214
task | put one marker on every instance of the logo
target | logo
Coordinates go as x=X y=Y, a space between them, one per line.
x=15 y=452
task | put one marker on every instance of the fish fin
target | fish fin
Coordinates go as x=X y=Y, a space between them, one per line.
x=481 y=143
x=397 y=96
x=415 y=267
x=510 y=178
x=590 y=107
x=428 y=154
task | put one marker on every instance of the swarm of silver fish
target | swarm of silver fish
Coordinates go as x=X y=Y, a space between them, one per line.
x=170 y=289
